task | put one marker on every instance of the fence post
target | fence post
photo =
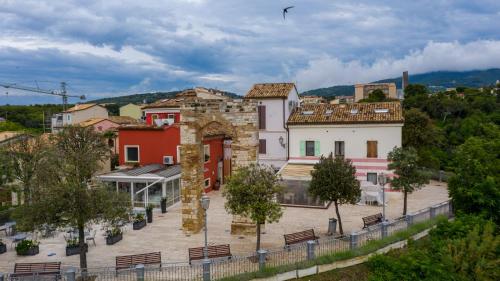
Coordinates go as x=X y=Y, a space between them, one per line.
x=139 y=270
x=409 y=219
x=311 y=249
x=353 y=240
x=450 y=209
x=2 y=277
x=206 y=269
x=70 y=275
x=385 y=226
x=432 y=211
x=262 y=258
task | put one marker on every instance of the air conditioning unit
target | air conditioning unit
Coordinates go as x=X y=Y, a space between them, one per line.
x=168 y=160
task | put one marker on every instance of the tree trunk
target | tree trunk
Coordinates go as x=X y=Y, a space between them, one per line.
x=81 y=243
x=405 y=204
x=341 y=231
x=258 y=237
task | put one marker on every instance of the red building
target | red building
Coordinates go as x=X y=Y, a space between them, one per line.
x=158 y=142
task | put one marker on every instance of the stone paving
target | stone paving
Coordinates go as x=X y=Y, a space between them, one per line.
x=165 y=233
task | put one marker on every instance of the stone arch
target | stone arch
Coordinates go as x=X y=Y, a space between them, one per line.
x=235 y=120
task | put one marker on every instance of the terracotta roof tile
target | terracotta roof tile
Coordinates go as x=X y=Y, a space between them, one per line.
x=270 y=90
x=91 y=121
x=122 y=120
x=357 y=113
x=172 y=103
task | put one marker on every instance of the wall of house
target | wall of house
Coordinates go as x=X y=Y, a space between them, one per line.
x=162 y=115
x=355 y=137
x=275 y=153
x=131 y=110
x=153 y=144
x=83 y=115
x=105 y=125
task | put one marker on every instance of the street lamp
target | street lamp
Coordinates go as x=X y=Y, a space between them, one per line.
x=382 y=180
x=205 y=203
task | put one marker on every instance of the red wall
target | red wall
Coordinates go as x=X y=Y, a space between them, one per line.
x=216 y=154
x=163 y=115
x=153 y=144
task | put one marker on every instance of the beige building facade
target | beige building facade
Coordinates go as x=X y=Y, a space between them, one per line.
x=131 y=110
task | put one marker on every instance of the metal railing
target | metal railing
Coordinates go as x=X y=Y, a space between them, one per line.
x=288 y=257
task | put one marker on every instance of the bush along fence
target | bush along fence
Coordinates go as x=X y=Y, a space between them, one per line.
x=266 y=263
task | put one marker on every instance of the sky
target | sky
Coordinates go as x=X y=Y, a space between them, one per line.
x=119 y=47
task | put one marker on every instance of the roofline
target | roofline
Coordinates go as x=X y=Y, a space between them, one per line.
x=345 y=122
x=66 y=111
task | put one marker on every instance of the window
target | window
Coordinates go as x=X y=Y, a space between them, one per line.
x=131 y=153
x=371 y=177
x=207 y=183
x=262 y=117
x=99 y=128
x=178 y=154
x=262 y=146
x=153 y=118
x=171 y=116
x=339 y=148
x=69 y=117
x=371 y=148
x=310 y=148
x=206 y=152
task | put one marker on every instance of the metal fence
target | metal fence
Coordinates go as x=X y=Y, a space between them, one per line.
x=286 y=258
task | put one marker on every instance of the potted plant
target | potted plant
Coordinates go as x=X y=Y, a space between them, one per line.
x=3 y=247
x=163 y=204
x=27 y=248
x=113 y=235
x=149 y=213
x=73 y=247
x=139 y=221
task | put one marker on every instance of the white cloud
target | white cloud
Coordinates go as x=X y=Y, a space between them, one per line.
x=327 y=70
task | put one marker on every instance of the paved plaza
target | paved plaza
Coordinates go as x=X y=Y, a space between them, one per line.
x=165 y=233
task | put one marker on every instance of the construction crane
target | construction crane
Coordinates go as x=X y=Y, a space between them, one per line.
x=62 y=93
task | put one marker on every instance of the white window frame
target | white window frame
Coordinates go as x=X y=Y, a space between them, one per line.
x=204 y=148
x=205 y=183
x=138 y=153
x=178 y=154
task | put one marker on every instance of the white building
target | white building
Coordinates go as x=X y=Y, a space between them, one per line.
x=77 y=114
x=362 y=132
x=275 y=102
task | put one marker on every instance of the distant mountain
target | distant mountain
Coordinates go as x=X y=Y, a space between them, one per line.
x=438 y=79
x=146 y=97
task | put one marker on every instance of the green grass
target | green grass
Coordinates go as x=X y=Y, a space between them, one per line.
x=368 y=248
x=358 y=272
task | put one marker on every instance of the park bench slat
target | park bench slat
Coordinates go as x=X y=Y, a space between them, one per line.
x=300 y=237
x=215 y=251
x=372 y=220
x=124 y=262
x=40 y=268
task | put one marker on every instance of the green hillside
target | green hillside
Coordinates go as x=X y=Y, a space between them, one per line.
x=434 y=80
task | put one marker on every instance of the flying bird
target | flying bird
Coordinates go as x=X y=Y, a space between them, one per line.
x=285 y=10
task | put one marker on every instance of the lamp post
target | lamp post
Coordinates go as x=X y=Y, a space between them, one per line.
x=382 y=180
x=205 y=203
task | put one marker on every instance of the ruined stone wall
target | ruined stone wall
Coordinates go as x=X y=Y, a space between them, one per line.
x=234 y=119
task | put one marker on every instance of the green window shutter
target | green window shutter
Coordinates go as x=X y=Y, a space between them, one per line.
x=302 y=148
x=317 y=151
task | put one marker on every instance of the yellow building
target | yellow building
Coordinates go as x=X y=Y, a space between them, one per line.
x=361 y=91
x=131 y=110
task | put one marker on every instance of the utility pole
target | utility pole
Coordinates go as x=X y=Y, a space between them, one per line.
x=64 y=95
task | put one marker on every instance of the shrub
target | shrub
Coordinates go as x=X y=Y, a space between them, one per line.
x=24 y=246
x=139 y=217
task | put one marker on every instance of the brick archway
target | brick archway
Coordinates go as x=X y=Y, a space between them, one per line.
x=235 y=120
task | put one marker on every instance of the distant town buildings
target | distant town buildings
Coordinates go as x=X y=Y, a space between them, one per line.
x=342 y=100
x=312 y=100
x=77 y=114
x=362 y=91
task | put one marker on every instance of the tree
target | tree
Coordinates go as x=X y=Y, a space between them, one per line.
x=409 y=176
x=475 y=188
x=334 y=180
x=376 y=95
x=251 y=192
x=67 y=196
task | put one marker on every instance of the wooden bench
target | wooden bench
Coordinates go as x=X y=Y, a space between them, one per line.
x=215 y=251
x=372 y=220
x=300 y=237
x=129 y=261
x=39 y=268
